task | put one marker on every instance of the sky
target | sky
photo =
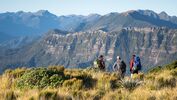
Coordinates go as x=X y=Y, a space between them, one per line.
x=85 y=7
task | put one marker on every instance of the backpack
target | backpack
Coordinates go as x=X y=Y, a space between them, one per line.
x=137 y=63
x=123 y=67
x=96 y=63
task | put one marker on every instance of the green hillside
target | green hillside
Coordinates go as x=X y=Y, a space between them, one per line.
x=58 y=83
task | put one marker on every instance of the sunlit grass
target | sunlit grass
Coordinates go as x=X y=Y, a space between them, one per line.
x=59 y=83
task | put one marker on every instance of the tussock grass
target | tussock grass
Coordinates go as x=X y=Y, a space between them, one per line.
x=58 y=83
x=130 y=84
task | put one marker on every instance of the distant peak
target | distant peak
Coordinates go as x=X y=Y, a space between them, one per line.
x=144 y=12
x=112 y=13
x=93 y=14
x=147 y=12
x=42 y=12
x=163 y=13
x=19 y=12
x=128 y=12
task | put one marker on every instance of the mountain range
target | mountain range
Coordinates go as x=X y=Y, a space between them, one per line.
x=42 y=39
x=37 y=23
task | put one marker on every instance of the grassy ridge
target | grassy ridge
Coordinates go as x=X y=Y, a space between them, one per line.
x=58 y=83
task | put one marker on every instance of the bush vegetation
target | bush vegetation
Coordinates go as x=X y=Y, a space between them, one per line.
x=58 y=83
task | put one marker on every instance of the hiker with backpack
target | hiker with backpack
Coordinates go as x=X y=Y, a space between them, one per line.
x=135 y=65
x=119 y=67
x=100 y=63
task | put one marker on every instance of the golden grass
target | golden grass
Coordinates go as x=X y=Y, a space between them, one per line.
x=105 y=86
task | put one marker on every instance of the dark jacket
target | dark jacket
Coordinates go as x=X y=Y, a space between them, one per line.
x=101 y=64
x=119 y=66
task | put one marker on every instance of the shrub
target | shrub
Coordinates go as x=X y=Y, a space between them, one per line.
x=40 y=78
x=56 y=80
x=33 y=78
x=75 y=73
x=130 y=84
x=56 y=70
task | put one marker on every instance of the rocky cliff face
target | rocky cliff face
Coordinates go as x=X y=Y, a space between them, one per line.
x=155 y=46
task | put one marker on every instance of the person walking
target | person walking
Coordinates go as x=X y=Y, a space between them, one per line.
x=100 y=63
x=119 y=67
x=135 y=65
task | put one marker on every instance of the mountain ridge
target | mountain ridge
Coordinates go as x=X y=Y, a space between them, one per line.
x=76 y=41
x=33 y=22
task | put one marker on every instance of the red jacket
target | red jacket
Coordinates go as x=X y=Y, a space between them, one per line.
x=131 y=64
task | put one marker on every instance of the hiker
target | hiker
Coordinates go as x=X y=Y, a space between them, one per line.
x=120 y=67
x=99 y=63
x=135 y=65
